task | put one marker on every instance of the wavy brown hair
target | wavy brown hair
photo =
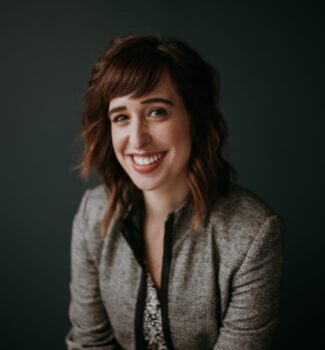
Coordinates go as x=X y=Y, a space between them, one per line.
x=133 y=65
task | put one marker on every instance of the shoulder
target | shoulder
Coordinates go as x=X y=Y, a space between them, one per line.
x=241 y=214
x=241 y=201
x=93 y=203
x=86 y=234
x=245 y=227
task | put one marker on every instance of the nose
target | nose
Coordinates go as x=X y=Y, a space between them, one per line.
x=139 y=134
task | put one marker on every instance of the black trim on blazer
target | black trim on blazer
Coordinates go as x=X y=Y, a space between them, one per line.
x=132 y=232
x=165 y=280
x=138 y=325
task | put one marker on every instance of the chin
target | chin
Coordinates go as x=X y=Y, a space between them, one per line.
x=146 y=185
x=143 y=187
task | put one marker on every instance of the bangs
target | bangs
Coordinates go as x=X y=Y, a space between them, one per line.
x=133 y=73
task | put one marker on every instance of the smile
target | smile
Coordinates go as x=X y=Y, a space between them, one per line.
x=147 y=160
x=147 y=164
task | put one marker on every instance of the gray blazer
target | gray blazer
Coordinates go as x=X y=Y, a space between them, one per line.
x=219 y=288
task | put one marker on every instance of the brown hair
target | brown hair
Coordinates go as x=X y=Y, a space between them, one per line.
x=133 y=65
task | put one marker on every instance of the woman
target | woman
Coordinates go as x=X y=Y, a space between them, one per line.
x=168 y=253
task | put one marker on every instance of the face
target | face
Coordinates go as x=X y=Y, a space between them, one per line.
x=151 y=137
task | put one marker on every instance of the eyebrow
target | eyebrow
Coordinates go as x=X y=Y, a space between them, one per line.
x=147 y=101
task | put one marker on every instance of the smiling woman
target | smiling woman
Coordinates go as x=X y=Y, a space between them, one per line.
x=168 y=252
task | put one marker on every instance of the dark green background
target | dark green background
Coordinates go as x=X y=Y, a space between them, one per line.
x=270 y=56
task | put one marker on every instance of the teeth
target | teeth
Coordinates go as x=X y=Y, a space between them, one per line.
x=147 y=160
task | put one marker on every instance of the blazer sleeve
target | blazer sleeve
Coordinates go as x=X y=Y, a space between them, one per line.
x=90 y=328
x=252 y=312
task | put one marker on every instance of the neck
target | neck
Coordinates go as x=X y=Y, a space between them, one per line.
x=159 y=203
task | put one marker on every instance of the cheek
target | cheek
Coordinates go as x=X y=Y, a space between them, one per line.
x=117 y=140
x=181 y=138
x=177 y=130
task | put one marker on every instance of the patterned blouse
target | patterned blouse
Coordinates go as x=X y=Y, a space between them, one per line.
x=152 y=323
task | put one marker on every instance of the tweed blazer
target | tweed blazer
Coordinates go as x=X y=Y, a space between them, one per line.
x=219 y=287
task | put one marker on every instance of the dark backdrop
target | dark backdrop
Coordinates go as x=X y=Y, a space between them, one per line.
x=270 y=56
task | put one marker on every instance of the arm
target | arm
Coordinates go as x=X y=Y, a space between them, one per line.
x=252 y=312
x=90 y=324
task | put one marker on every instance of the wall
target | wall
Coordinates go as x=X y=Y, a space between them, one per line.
x=270 y=56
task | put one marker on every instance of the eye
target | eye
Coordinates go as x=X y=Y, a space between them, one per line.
x=156 y=112
x=119 y=118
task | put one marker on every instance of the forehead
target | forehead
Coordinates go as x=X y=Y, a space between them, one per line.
x=165 y=88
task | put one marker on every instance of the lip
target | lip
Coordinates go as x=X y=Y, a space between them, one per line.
x=145 y=169
x=146 y=154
